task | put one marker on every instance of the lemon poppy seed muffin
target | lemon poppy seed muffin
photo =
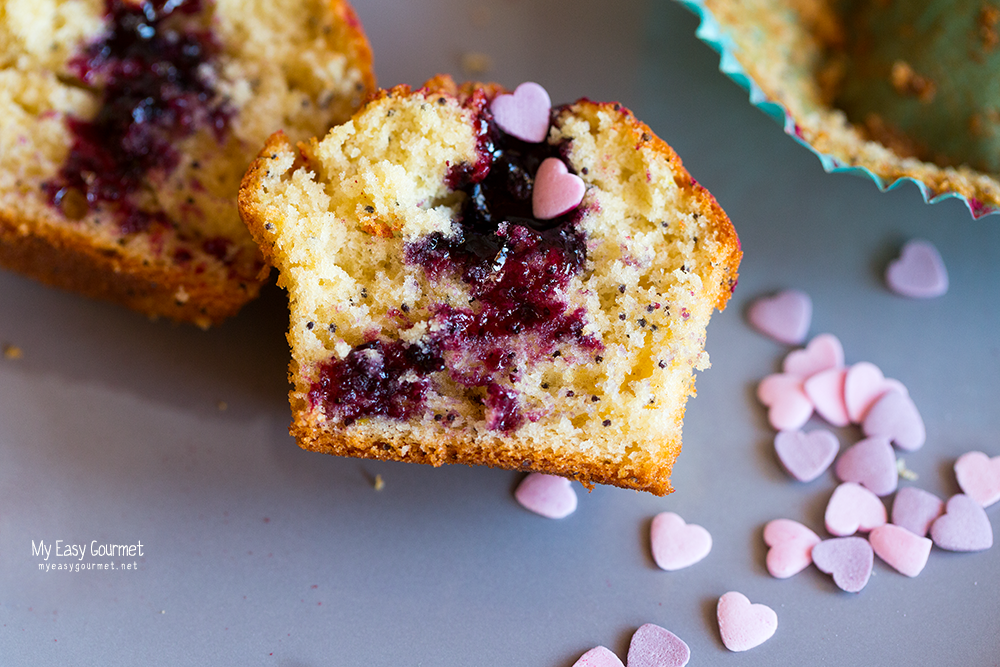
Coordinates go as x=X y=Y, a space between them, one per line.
x=436 y=319
x=126 y=126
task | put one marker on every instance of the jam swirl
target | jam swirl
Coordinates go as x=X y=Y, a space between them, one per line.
x=153 y=70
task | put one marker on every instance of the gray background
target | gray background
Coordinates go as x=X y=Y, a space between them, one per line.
x=259 y=553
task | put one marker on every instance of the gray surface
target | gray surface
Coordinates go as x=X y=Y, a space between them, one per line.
x=258 y=553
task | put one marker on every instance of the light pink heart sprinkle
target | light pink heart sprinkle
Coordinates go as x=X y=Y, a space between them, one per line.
x=548 y=495
x=806 y=456
x=849 y=559
x=653 y=646
x=788 y=406
x=823 y=352
x=894 y=416
x=853 y=508
x=863 y=386
x=919 y=272
x=744 y=625
x=785 y=317
x=872 y=464
x=964 y=526
x=677 y=544
x=916 y=509
x=524 y=113
x=791 y=547
x=979 y=477
x=905 y=552
x=556 y=191
x=826 y=392
x=599 y=656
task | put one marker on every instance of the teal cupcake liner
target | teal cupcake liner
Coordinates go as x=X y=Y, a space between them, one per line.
x=712 y=33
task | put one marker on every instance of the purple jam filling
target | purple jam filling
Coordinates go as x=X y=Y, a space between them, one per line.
x=155 y=90
x=517 y=269
x=377 y=378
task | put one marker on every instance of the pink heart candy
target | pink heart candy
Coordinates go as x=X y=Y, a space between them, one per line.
x=524 y=113
x=826 y=392
x=979 y=477
x=548 y=495
x=744 y=625
x=785 y=317
x=806 y=456
x=791 y=547
x=823 y=352
x=653 y=646
x=905 y=552
x=872 y=464
x=916 y=509
x=598 y=656
x=788 y=406
x=863 y=386
x=677 y=544
x=964 y=526
x=853 y=508
x=919 y=272
x=849 y=559
x=556 y=191
x=894 y=416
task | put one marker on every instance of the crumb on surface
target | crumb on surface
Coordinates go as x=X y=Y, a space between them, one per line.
x=379 y=483
x=474 y=62
x=906 y=81
x=905 y=472
x=12 y=352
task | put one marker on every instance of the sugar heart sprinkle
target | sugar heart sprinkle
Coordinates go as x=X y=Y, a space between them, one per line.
x=547 y=495
x=848 y=559
x=863 y=386
x=919 y=272
x=853 y=508
x=785 y=316
x=895 y=416
x=806 y=456
x=905 y=552
x=677 y=544
x=556 y=191
x=872 y=464
x=826 y=392
x=791 y=547
x=823 y=352
x=599 y=656
x=979 y=477
x=653 y=646
x=789 y=408
x=916 y=509
x=964 y=526
x=524 y=113
x=743 y=625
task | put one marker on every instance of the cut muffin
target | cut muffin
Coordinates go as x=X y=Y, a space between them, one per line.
x=435 y=319
x=126 y=125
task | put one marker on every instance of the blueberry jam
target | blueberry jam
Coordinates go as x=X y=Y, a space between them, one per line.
x=377 y=378
x=516 y=268
x=150 y=67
